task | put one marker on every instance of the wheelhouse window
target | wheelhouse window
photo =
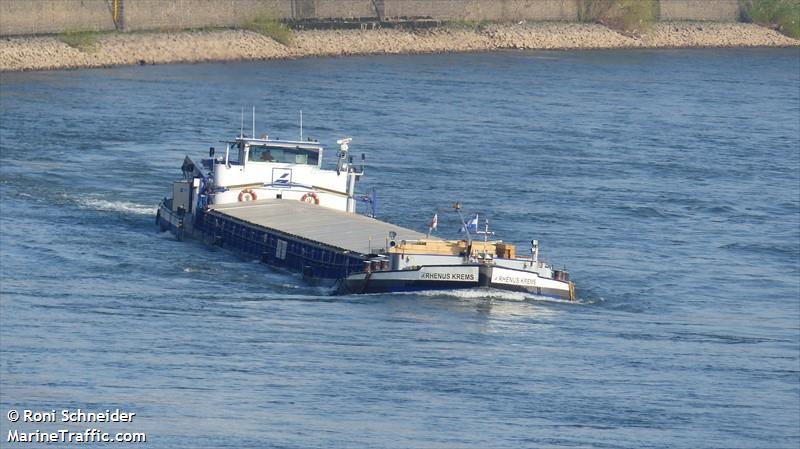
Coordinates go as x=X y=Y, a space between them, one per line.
x=235 y=153
x=283 y=155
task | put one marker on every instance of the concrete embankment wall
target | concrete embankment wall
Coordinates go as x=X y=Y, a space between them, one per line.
x=716 y=10
x=28 y=17
x=22 y=17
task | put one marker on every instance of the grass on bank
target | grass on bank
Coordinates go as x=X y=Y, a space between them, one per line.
x=85 y=41
x=271 y=28
x=783 y=15
x=477 y=25
x=631 y=17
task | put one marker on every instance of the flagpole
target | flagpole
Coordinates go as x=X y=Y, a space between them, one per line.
x=457 y=207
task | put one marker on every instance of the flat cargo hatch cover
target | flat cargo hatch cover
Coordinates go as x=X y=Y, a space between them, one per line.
x=331 y=227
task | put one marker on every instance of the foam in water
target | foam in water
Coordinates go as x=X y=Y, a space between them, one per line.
x=125 y=207
x=166 y=235
x=490 y=293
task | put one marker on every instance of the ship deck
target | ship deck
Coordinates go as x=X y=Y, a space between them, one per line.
x=342 y=230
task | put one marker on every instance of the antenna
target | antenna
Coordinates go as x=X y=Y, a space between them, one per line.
x=301 y=125
x=241 y=125
x=254 y=122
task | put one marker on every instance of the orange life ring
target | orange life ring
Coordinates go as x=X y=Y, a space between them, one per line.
x=310 y=198
x=247 y=195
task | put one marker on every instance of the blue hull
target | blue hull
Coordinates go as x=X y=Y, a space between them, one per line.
x=316 y=262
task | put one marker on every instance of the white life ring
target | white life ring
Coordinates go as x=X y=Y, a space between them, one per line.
x=247 y=195
x=310 y=198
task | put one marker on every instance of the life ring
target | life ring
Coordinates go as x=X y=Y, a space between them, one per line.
x=310 y=198
x=247 y=195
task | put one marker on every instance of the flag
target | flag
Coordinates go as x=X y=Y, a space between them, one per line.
x=434 y=223
x=472 y=225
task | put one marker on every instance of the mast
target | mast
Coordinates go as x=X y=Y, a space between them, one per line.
x=457 y=207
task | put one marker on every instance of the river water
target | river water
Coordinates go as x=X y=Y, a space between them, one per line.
x=668 y=182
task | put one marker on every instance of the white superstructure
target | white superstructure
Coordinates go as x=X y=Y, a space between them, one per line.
x=253 y=169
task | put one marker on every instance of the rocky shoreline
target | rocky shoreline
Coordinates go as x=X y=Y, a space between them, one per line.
x=48 y=52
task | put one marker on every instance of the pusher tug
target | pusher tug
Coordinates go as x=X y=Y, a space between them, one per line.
x=272 y=200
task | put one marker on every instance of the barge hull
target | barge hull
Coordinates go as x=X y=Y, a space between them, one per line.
x=450 y=277
x=322 y=244
x=512 y=279
x=331 y=247
x=429 y=277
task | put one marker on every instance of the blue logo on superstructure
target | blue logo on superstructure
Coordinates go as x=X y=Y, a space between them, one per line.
x=281 y=176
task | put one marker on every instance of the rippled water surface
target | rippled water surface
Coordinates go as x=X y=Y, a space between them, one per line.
x=668 y=182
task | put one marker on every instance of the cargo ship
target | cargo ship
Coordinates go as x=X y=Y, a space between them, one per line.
x=272 y=200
